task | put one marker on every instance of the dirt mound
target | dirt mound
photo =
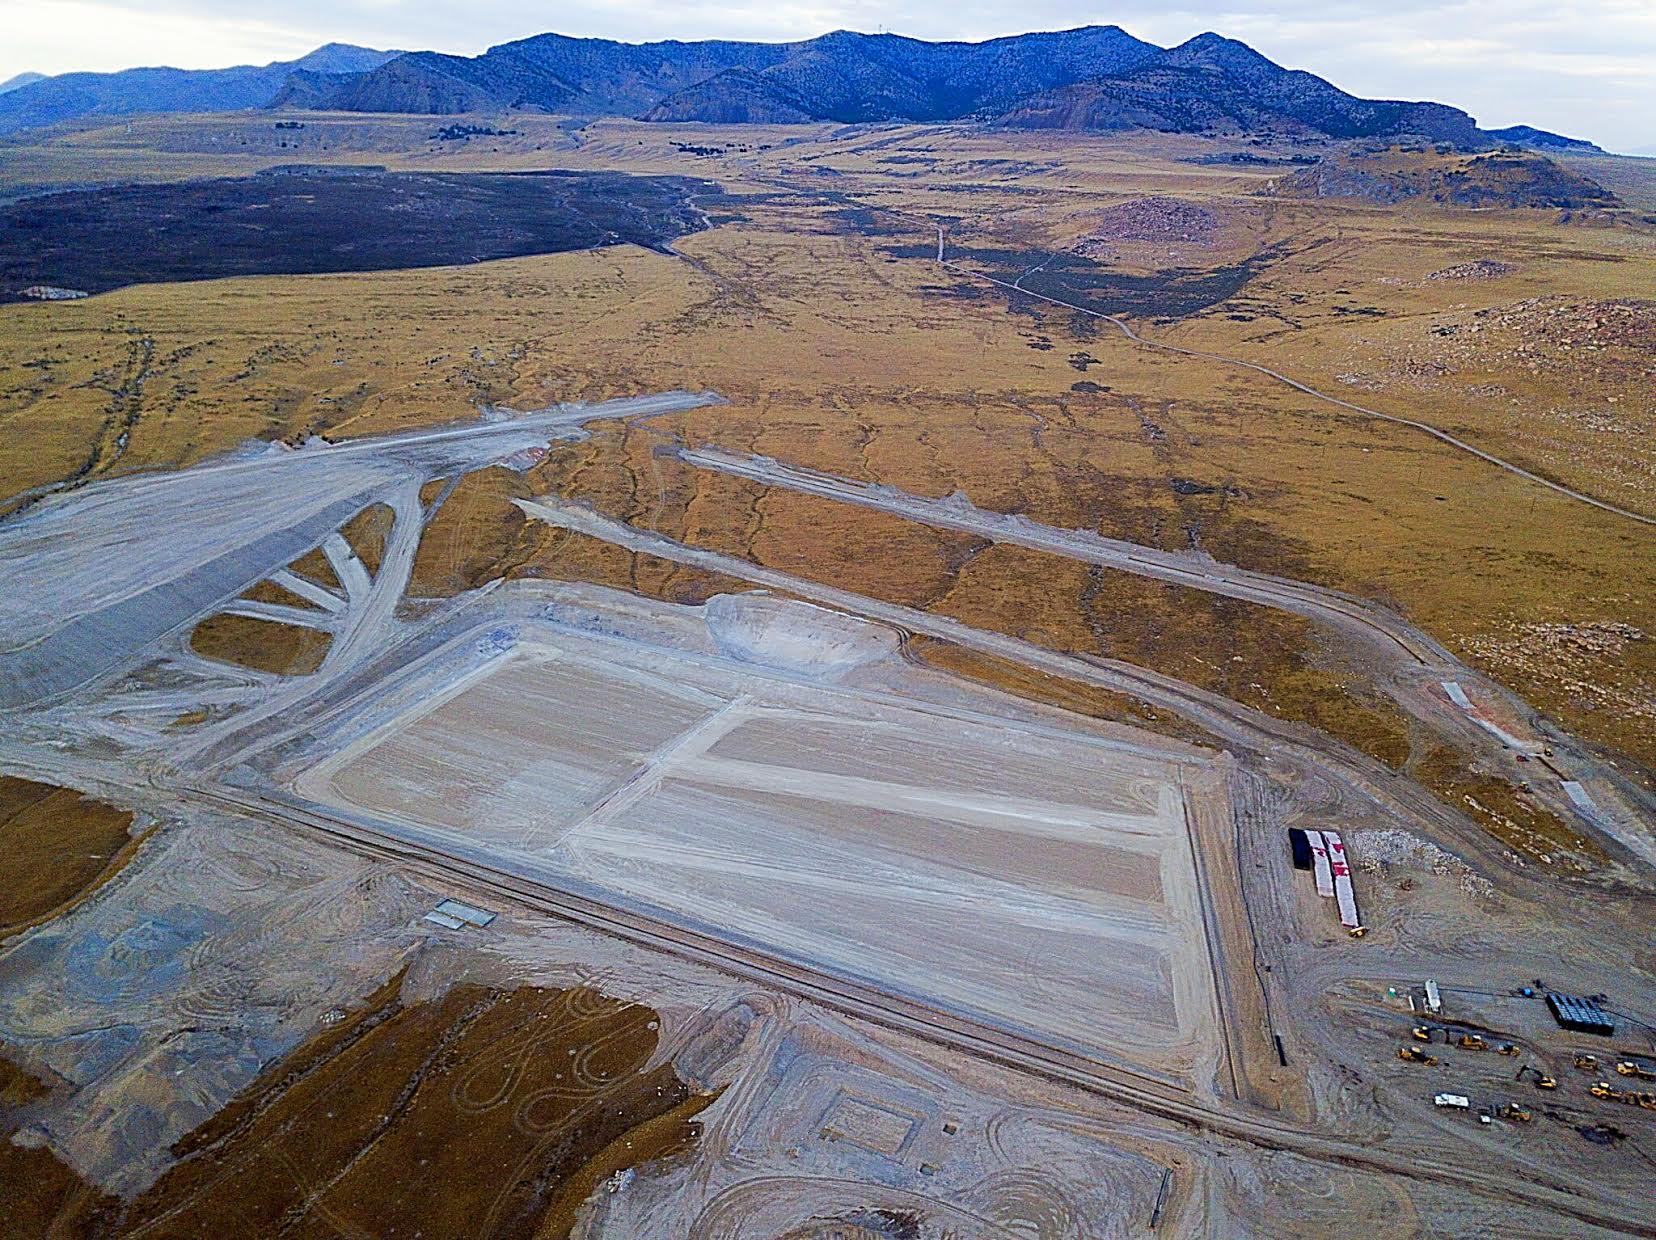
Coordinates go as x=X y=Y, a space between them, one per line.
x=1150 y=219
x=757 y=627
x=1478 y=269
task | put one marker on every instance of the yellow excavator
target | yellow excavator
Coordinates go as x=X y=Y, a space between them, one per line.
x=1423 y=1033
x=1542 y=1080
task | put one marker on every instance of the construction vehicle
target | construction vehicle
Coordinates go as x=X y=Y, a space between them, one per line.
x=1586 y=1062
x=1632 y=1067
x=1629 y=1097
x=1413 y=1054
x=1542 y=1080
x=1473 y=1042
x=1516 y=1113
x=1423 y=1033
x=1506 y=1048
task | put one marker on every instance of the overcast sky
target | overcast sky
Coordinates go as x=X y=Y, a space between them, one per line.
x=1581 y=67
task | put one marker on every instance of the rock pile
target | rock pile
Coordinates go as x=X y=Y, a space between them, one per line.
x=1478 y=269
x=1589 y=660
x=1150 y=219
x=1379 y=849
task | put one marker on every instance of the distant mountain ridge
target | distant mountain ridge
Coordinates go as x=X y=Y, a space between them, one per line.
x=1089 y=78
x=1211 y=84
x=1541 y=140
x=68 y=96
x=21 y=79
x=843 y=76
x=1093 y=77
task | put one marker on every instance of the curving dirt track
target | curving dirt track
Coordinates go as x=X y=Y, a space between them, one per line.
x=232 y=767
x=1442 y=436
x=1410 y=662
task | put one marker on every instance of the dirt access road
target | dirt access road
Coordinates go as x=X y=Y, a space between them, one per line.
x=1126 y=330
x=1412 y=664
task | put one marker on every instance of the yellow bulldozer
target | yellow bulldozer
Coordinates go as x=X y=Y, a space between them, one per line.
x=1413 y=1054
x=1628 y=1097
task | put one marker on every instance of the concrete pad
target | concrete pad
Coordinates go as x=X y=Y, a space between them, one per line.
x=1027 y=877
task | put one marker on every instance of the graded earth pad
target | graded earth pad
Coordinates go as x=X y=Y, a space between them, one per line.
x=1029 y=878
x=939 y=961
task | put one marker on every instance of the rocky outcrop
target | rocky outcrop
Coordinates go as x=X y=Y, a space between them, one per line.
x=1497 y=179
x=735 y=97
x=1541 y=140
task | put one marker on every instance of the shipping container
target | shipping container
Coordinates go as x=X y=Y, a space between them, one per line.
x=1301 y=848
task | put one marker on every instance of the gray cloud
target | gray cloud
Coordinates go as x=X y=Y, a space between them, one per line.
x=1586 y=68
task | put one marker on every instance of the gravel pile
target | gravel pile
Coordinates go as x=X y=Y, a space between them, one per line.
x=1378 y=849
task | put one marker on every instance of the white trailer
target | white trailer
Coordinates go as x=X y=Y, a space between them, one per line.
x=1319 y=863
x=1342 y=882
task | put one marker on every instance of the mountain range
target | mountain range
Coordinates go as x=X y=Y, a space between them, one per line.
x=1092 y=78
x=21 y=79
x=1211 y=84
x=69 y=96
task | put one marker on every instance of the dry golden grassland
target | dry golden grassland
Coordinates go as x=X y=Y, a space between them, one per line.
x=837 y=353
x=314 y=1145
x=58 y=845
x=263 y=645
x=184 y=146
